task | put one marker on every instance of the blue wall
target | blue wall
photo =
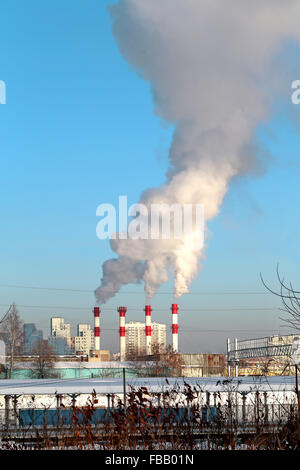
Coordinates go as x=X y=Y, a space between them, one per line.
x=71 y=373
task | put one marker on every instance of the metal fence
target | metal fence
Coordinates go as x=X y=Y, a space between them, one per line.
x=208 y=416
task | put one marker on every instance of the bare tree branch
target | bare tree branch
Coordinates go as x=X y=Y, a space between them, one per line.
x=289 y=298
x=12 y=329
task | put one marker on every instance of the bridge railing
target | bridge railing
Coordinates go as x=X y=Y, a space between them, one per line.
x=279 y=345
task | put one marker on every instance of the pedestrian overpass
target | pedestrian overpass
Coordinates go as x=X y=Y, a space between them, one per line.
x=267 y=347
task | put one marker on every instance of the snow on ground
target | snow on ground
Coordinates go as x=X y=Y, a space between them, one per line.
x=155 y=384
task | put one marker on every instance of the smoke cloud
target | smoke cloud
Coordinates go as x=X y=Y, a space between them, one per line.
x=214 y=71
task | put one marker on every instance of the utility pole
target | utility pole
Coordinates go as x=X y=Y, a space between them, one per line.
x=124 y=390
x=297 y=391
x=295 y=356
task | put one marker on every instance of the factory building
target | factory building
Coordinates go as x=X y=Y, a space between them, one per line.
x=203 y=365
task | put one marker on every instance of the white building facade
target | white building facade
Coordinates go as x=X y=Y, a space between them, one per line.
x=60 y=338
x=85 y=339
x=135 y=334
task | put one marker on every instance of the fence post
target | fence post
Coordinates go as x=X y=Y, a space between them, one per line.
x=159 y=407
x=7 y=402
x=236 y=408
x=244 y=398
x=72 y=418
x=208 y=406
x=297 y=392
x=15 y=402
x=124 y=390
x=108 y=407
x=266 y=408
x=58 y=404
x=188 y=411
x=257 y=407
x=236 y=361
x=112 y=402
x=228 y=361
x=215 y=399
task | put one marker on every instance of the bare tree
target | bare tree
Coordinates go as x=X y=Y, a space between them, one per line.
x=12 y=330
x=44 y=358
x=164 y=362
x=167 y=360
x=290 y=299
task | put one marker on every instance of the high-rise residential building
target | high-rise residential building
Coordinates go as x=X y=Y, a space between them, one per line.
x=60 y=338
x=84 y=342
x=58 y=327
x=31 y=336
x=159 y=337
x=135 y=334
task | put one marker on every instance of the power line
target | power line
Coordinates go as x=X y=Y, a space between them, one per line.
x=194 y=330
x=45 y=288
x=204 y=331
x=128 y=292
x=114 y=309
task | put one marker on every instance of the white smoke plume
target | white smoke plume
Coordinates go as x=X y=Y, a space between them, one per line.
x=213 y=70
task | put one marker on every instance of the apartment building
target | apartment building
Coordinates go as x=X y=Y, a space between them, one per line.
x=60 y=338
x=84 y=342
x=136 y=338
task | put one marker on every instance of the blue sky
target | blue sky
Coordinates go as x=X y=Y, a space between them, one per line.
x=78 y=129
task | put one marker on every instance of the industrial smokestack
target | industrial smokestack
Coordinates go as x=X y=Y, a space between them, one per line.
x=148 y=311
x=122 y=311
x=175 y=327
x=97 y=328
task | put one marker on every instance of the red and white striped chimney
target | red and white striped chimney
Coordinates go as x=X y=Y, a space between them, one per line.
x=97 y=328
x=175 y=327
x=148 y=311
x=122 y=311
